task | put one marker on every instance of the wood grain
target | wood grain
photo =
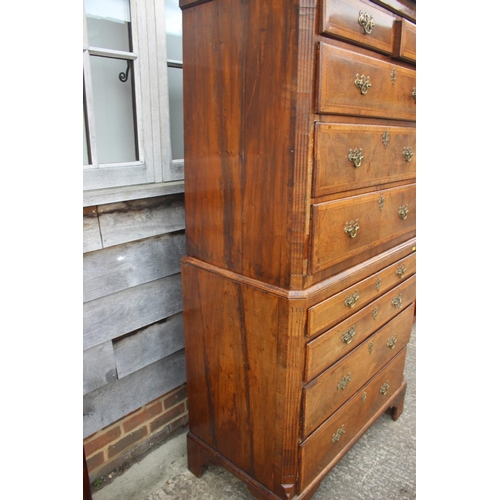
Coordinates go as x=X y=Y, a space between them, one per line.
x=98 y=367
x=91 y=234
x=148 y=345
x=112 y=316
x=131 y=264
x=138 y=219
x=117 y=399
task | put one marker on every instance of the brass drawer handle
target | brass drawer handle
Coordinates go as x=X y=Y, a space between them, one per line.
x=397 y=302
x=366 y=21
x=400 y=271
x=391 y=343
x=414 y=93
x=336 y=436
x=350 y=300
x=403 y=212
x=343 y=382
x=351 y=228
x=347 y=337
x=408 y=153
x=355 y=156
x=384 y=388
x=362 y=83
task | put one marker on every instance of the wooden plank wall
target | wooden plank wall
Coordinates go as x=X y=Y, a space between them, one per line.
x=133 y=338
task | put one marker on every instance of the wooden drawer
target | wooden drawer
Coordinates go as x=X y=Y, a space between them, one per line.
x=341 y=305
x=405 y=40
x=358 y=22
x=388 y=154
x=335 y=343
x=343 y=228
x=335 y=386
x=329 y=440
x=389 y=96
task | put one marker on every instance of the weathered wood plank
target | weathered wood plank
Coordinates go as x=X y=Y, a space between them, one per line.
x=113 y=401
x=148 y=345
x=98 y=367
x=115 y=315
x=91 y=234
x=137 y=219
x=123 y=266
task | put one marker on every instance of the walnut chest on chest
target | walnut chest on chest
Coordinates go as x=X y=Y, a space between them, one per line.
x=299 y=274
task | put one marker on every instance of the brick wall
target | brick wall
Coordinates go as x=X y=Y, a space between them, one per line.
x=134 y=434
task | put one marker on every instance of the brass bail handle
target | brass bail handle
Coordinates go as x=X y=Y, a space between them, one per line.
x=362 y=83
x=351 y=228
x=355 y=156
x=366 y=22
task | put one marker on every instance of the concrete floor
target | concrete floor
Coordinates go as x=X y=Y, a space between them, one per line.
x=380 y=466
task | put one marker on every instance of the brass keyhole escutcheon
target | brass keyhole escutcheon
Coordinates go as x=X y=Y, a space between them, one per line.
x=381 y=202
x=363 y=397
x=377 y=285
x=375 y=312
x=393 y=76
x=351 y=228
x=385 y=138
x=408 y=153
x=347 y=337
x=362 y=83
x=337 y=435
x=366 y=21
x=351 y=300
x=370 y=347
x=403 y=212
x=414 y=93
x=355 y=156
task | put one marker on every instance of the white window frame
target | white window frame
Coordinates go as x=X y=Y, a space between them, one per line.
x=155 y=168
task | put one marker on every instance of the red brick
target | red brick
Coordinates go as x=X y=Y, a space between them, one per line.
x=167 y=417
x=101 y=441
x=95 y=461
x=141 y=417
x=127 y=441
x=173 y=399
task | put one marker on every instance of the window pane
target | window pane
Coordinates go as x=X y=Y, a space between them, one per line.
x=176 y=112
x=113 y=110
x=108 y=23
x=173 y=27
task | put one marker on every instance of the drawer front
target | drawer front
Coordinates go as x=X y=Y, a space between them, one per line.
x=358 y=22
x=347 y=227
x=341 y=305
x=405 y=44
x=357 y=156
x=319 y=449
x=343 y=82
x=335 y=386
x=335 y=343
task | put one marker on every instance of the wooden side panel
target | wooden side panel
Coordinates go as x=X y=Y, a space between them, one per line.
x=243 y=374
x=239 y=106
x=98 y=367
x=134 y=220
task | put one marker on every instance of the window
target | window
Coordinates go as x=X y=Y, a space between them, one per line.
x=129 y=139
